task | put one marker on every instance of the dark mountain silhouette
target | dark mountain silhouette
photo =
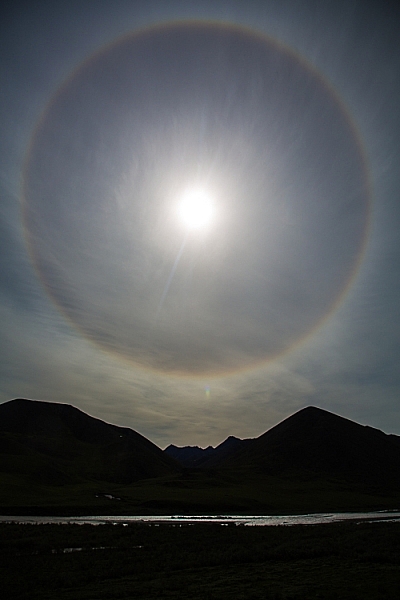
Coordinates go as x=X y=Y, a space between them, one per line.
x=55 y=457
x=57 y=443
x=188 y=456
x=193 y=456
x=316 y=442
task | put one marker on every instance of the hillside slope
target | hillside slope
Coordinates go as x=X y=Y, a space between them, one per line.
x=55 y=444
x=316 y=442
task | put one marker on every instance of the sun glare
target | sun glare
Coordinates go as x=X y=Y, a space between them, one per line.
x=196 y=208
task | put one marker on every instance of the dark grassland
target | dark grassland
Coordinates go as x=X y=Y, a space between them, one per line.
x=335 y=561
x=195 y=491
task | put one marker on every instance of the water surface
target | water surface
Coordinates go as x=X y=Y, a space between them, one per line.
x=249 y=520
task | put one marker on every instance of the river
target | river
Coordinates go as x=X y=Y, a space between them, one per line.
x=248 y=520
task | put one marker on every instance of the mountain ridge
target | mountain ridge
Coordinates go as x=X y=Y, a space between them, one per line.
x=317 y=441
x=193 y=456
x=55 y=455
x=70 y=445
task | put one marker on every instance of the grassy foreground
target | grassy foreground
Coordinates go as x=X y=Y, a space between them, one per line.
x=335 y=561
x=194 y=491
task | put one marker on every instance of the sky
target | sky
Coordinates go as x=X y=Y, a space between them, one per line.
x=275 y=126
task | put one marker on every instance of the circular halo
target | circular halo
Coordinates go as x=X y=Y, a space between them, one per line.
x=204 y=102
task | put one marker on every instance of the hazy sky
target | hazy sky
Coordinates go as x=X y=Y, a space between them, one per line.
x=284 y=117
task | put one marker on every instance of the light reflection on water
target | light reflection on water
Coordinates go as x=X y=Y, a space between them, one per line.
x=250 y=520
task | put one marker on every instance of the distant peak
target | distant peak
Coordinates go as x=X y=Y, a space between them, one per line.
x=311 y=409
x=313 y=412
x=174 y=447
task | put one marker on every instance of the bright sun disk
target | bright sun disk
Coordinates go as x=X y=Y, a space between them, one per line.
x=196 y=208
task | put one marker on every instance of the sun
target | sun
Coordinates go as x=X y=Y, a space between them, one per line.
x=196 y=208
